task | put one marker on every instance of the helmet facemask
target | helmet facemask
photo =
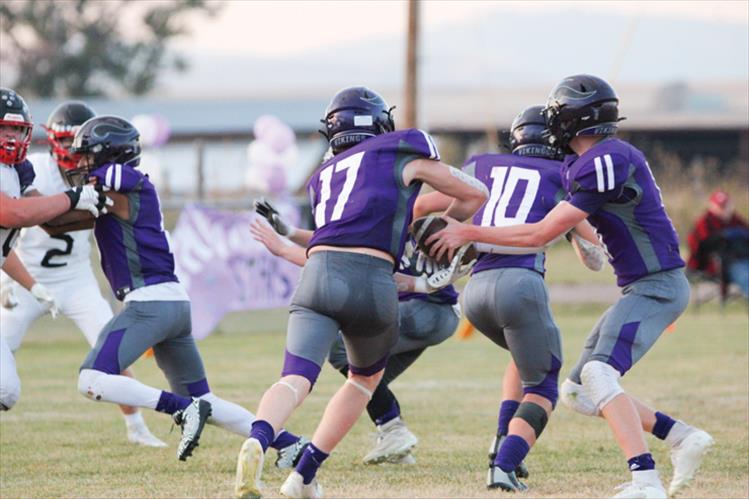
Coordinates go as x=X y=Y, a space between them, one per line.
x=15 y=138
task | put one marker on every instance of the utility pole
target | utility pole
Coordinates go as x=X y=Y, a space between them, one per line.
x=412 y=51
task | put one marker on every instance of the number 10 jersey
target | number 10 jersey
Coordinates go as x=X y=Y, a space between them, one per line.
x=358 y=197
x=53 y=259
x=522 y=190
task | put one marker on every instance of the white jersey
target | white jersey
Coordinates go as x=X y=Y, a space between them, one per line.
x=10 y=185
x=52 y=259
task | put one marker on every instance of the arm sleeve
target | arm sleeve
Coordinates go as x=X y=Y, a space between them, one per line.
x=26 y=175
x=118 y=178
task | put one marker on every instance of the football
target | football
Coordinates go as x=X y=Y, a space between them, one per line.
x=423 y=227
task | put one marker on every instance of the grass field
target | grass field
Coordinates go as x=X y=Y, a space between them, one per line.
x=54 y=443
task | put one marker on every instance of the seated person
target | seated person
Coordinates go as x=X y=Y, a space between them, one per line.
x=719 y=243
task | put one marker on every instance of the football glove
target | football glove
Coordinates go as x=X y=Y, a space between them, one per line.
x=269 y=212
x=444 y=276
x=45 y=299
x=89 y=198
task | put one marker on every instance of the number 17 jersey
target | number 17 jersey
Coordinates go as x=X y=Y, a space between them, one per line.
x=522 y=190
x=358 y=196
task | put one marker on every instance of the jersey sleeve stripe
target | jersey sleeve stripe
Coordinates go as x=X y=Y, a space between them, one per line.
x=599 y=174
x=117 y=177
x=108 y=177
x=430 y=144
x=609 y=170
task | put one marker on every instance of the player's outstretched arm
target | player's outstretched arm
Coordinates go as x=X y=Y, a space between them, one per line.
x=265 y=209
x=554 y=225
x=27 y=212
x=262 y=233
x=468 y=192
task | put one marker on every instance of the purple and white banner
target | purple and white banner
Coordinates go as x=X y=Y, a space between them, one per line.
x=224 y=269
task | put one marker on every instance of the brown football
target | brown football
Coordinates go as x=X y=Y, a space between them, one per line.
x=423 y=227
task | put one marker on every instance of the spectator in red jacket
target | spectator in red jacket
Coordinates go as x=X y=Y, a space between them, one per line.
x=719 y=243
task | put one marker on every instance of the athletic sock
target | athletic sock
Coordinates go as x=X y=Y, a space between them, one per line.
x=506 y=411
x=284 y=439
x=512 y=452
x=310 y=462
x=662 y=426
x=171 y=403
x=643 y=462
x=263 y=432
x=384 y=406
x=134 y=420
x=228 y=415
x=678 y=432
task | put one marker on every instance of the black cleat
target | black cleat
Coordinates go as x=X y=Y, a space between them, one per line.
x=508 y=482
x=192 y=420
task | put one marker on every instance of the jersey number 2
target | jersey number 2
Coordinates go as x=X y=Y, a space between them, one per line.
x=68 y=240
x=503 y=189
x=351 y=166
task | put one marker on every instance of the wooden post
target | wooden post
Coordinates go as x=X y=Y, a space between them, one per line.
x=200 y=169
x=412 y=51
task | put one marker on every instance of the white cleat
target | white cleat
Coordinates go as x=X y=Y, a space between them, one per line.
x=686 y=458
x=394 y=441
x=289 y=456
x=407 y=459
x=141 y=435
x=295 y=488
x=249 y=469
x=644 y=485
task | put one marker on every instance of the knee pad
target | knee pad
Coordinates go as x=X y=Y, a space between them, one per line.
x=534 y=415
x=601 y=383
x=575 y=397
x=10 y=392
x=88 y=383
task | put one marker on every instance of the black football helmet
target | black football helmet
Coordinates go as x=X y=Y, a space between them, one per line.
x=62 y=124
x=529 y=135
x=101 y=140
x=355 y=114
x=581 y=105
x=15 y=127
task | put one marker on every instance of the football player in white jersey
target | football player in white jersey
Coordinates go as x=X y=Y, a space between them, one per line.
x=60 y=261
x=16 y=176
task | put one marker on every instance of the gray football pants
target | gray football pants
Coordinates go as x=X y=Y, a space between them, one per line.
x=628 y=329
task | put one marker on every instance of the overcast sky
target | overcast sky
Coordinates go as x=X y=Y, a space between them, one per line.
x=284 y=28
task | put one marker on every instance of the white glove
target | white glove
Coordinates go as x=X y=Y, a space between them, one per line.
x=7 y=297
x=425 y=264
x=89 y=198
x=444 y=276
x=45 y=299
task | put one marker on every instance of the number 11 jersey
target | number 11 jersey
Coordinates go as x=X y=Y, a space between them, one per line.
x=53 y=259
x=358 y=196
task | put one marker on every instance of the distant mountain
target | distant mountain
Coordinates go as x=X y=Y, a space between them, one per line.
x=499 y=49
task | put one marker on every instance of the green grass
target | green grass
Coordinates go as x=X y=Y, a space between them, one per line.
x=55 y=443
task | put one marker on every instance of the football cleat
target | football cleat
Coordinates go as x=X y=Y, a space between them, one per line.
x=141 y=435
x=192 y=420
x=295 y=488
x=249 y=470
x=289 y=455
x=686 y=458
x=521 y=471
x=498 y=479
x=644 y=485
x=407 y=459
x=394 y=440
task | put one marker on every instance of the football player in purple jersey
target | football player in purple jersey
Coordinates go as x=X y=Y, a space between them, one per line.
x=425 y=319
x=610 y=182
x=362 y=199
x=138 y=263
x=506 y=298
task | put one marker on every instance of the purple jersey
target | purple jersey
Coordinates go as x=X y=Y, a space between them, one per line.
x=522 y=190
x=136 y=252
x=358 y=196
x=612 y=182
x=26 y=174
